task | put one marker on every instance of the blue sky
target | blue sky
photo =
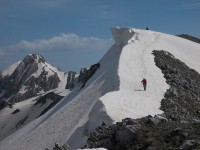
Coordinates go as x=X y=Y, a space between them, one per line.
x=72 y=34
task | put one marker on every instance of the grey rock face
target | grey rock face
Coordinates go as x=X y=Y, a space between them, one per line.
x=181 y=100
x=85 y=74
x=127 y=132
x=189 y=144
x=70 y=80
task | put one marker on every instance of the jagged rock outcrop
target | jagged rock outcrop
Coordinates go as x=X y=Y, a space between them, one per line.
x=117 y=136
x=85 y=74
x=29 y=78
x=70 y=80
x=147 y=134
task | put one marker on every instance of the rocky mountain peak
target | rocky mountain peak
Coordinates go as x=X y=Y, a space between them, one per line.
x=34 y=57
x=32 y=75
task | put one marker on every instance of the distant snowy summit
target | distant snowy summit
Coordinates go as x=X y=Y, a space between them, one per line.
x=30 y=77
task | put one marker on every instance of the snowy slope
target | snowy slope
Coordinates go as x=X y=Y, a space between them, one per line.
x=113 y=93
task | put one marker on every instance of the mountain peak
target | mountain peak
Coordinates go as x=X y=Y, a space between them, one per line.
x=29 y=77
x=34 y=57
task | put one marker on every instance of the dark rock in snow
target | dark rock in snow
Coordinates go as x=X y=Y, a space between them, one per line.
x=85 y=74
x=48 y=97
x=16 y=111
x=58 y=147
x=43 y=99
x=21 y=122
x=70 y=80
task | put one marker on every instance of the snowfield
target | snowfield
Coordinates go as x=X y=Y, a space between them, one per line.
x=113 y=93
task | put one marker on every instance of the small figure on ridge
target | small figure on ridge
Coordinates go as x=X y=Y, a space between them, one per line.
x=144 y=82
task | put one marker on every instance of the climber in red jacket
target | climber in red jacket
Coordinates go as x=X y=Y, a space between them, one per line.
x=144 y=82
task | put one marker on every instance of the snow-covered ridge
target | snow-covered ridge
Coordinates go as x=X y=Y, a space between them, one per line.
x=122 y=35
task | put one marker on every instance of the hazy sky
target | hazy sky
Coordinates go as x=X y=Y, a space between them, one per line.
x=72 y=34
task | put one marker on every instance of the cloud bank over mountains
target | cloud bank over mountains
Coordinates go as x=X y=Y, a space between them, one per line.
x=69 y=46
x=63 y=42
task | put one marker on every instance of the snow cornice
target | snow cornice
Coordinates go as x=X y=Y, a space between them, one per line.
x=122 y=35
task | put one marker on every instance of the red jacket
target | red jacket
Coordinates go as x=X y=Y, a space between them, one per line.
x=144 y=81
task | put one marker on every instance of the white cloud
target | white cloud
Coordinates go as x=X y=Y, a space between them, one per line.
x=64 y=42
